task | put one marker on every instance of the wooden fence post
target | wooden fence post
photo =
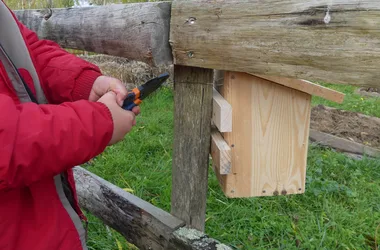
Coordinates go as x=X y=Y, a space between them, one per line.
x=192 y=125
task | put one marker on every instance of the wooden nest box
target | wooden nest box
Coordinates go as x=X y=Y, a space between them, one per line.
x=260 y=133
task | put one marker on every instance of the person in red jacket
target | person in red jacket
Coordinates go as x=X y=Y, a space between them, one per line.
x=57 y=112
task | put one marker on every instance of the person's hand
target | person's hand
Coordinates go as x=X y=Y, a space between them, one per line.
x=104 y=84
x=123 y=120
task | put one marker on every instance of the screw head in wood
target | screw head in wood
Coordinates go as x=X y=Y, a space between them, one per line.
x=191 y=20
x=190 y=54
x=275 y=192
x=283 y=192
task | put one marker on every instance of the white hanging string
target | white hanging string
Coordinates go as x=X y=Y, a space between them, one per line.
x=327 y=17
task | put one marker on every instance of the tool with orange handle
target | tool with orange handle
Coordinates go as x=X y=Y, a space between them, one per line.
x=135 y=97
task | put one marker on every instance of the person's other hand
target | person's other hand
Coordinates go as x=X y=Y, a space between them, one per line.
x=123 y=120
x=104 y=84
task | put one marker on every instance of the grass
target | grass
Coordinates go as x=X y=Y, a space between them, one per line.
x=340 y=209
x=352 y=101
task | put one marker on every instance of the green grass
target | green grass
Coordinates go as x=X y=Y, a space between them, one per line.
x=339 y=210
x=352 y=101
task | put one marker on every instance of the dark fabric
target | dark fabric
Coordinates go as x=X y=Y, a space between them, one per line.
x=67 y=190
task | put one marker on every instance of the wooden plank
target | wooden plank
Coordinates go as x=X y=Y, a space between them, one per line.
x=269 y=141
x=221 y=112
x=141 y=223
x=137 y=31
x=342 y=144
x=192 y=125
x=220 y=153
x=307 y=87
x=324 y=40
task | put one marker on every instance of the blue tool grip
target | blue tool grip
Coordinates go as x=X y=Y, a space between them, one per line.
x=129 y=106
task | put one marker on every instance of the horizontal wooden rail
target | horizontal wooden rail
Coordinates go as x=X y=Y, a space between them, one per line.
x=331 y=41
x=138 y=31
x=141 y=223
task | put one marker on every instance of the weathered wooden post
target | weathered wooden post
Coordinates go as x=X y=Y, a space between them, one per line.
x=192 y=116
x=193 y=88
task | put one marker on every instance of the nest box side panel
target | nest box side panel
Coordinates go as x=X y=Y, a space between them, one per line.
x=269 y=140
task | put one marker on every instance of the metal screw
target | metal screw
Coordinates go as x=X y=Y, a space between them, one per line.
x=190 y=54
x=275 y=192
x=283 y=192
x=191 y=20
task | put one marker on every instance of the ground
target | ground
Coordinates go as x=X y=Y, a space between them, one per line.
x=347 y=124
x=339 y=210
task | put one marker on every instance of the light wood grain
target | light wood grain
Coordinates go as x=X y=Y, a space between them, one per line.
x=220 y=153
x=307 y=87
x=137 y=31
x=332 y=41
x=221 y=112
x=192 y=127
x=269 y=140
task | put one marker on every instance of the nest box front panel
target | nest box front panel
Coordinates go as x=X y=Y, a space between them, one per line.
x=269 y=138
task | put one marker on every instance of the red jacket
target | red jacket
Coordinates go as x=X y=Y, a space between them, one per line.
x=41 y=143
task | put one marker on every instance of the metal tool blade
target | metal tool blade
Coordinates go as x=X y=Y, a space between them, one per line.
x=152 y=85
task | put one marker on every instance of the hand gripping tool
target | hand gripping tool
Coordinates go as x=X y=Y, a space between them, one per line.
x=135 y=97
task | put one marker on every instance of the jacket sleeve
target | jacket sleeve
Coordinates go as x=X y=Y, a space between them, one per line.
x=64 y=76
x=39 y=141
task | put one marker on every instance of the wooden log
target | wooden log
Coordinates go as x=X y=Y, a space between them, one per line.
x=141 y=223
x=221 y=112
x=192 y=116
x=191 y=239
x=324 y=40
x=269 y=140
x=137 y=220
x=138 y=31
x=342 y=144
